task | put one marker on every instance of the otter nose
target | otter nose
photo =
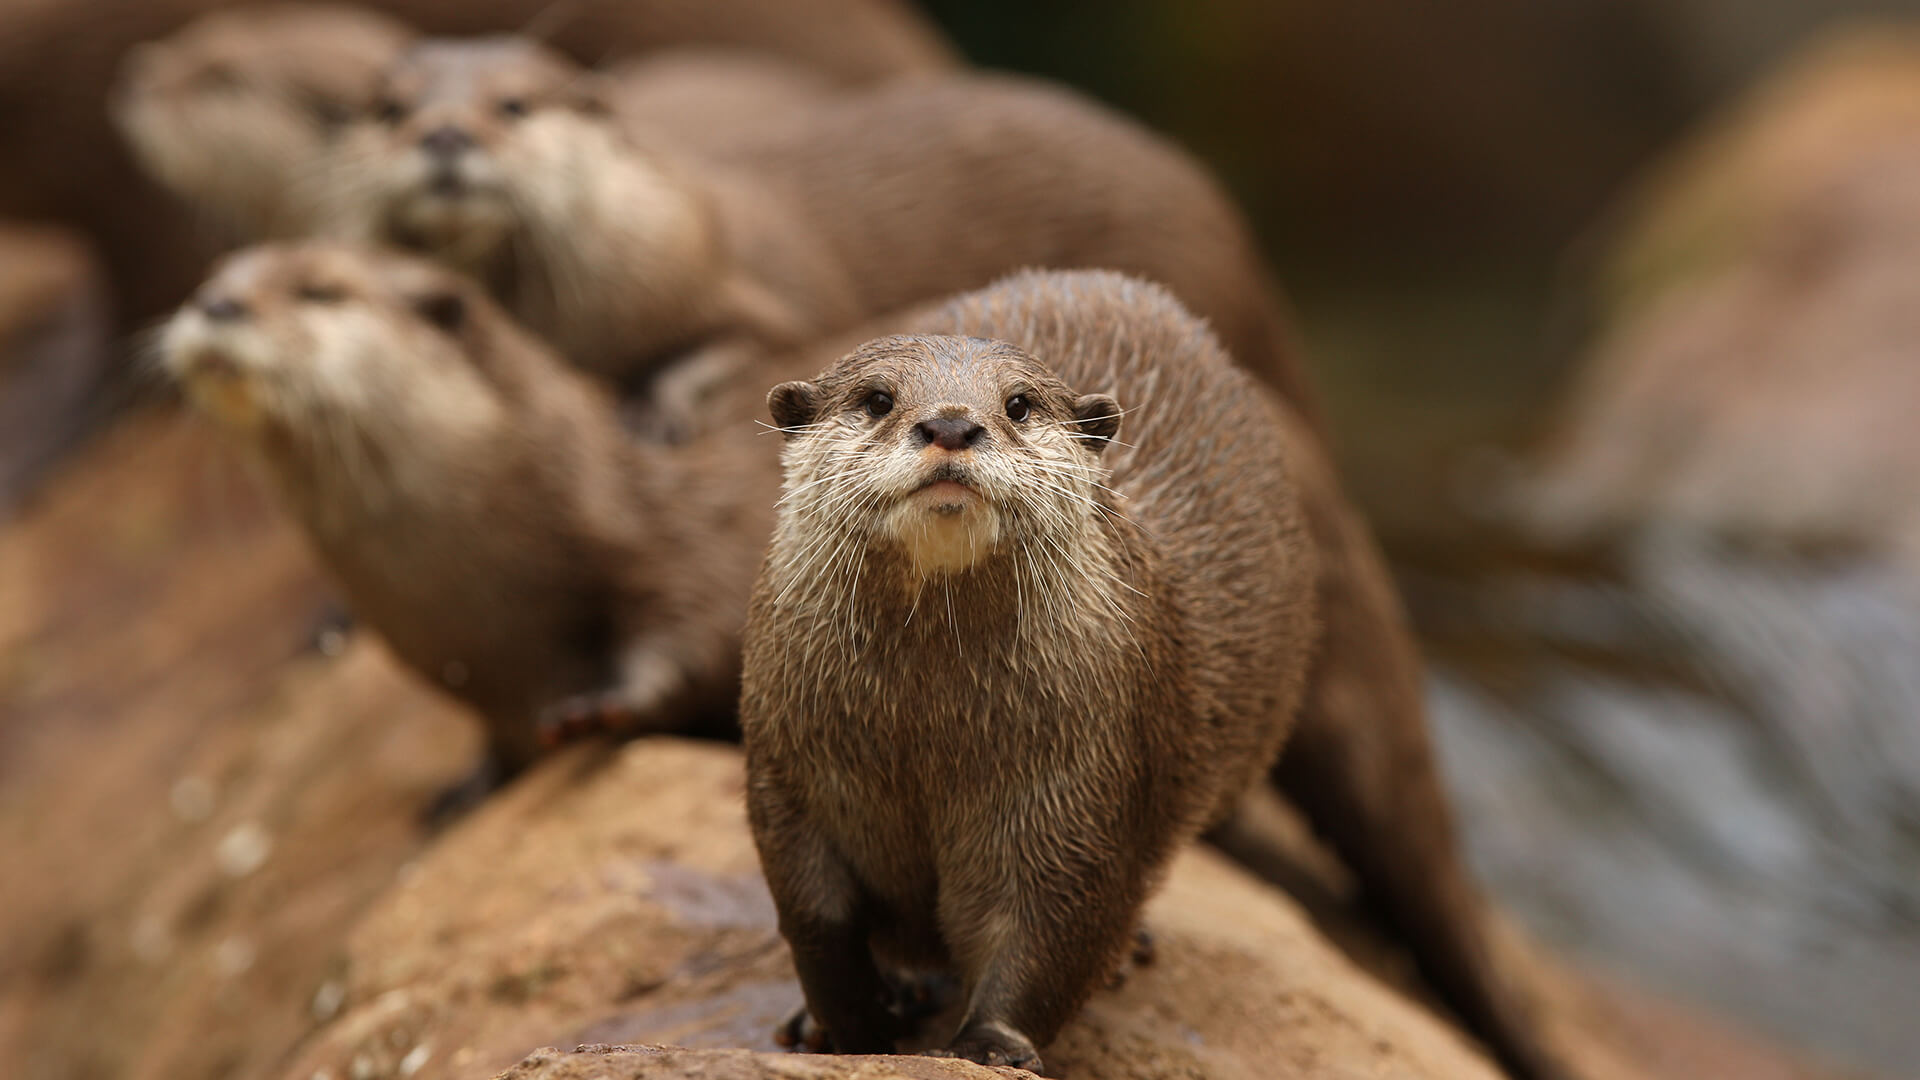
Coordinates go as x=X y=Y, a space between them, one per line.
x=950 y=432
x=222 y=308
x=445 y=141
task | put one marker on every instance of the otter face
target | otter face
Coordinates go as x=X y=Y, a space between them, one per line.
x=950 y=449
x=454 y=132
x=235 y=112
x=324 y=344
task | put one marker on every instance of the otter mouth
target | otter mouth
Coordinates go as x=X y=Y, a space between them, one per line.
x=947 y=490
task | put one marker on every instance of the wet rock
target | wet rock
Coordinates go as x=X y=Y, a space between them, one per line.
x=1676 y=688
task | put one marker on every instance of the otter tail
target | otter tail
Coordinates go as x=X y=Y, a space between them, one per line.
x=1360 y=767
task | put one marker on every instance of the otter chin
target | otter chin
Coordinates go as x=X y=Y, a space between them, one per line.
x=214 y=370
x=944 y=526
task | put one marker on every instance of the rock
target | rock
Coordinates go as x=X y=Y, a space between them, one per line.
x=1676 y=692
x=615 y=897
x=663 y=1062
x=194 y=810
x=1751 y=378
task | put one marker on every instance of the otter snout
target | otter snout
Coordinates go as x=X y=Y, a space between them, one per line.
x=950 y=432
x=446 y=142
x=222 y=308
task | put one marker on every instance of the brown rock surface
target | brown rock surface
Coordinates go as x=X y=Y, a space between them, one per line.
x=192 y=814
x=1754 y=376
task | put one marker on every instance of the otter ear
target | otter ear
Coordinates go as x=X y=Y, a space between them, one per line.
x=1097 y=415
x=444 y=309
x=793 y=405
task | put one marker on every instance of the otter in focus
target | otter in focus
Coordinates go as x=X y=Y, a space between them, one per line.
x=999 y=663
x=476 y=499
x=629 y=241
x=235 y=111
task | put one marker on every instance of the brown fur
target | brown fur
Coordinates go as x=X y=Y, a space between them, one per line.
x=985 y=766
x=57 y=61
x=234 y=113
x=900 y=195
x=620 y=250
x=474 y=497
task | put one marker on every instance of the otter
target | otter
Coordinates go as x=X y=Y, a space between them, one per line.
x=631 y=246
x=503 y=159
x=1050 y=585
x=476 y=499
x=65 y=164
x=234 y=112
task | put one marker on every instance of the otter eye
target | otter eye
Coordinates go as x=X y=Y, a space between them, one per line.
x=1019 y=408
x=879 y=403
x=513 y=107
x=321 y=294
x=389 y=111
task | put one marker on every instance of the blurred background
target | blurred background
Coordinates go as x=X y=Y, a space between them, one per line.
x=1615 y=308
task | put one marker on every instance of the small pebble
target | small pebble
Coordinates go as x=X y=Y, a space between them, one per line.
x=328 y=998
x=243 y=850
x=233 y=956
x=415 y=1058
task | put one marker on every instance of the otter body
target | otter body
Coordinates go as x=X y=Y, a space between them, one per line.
x=632 y=243
x=996 y=669
x=235 y=112
x=503 y=159
x=476 y=500
x=999 y=663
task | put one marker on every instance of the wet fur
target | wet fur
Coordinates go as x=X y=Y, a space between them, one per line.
x=988 y=770
x=1045 y=726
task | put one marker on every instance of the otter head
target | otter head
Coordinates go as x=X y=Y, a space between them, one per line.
x=334 y=351
x=951 y=450
x=457 y=130
x=235 y=112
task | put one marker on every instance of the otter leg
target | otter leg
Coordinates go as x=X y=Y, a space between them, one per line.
x=825 y=915
x=1032 y=947
x=649 y=697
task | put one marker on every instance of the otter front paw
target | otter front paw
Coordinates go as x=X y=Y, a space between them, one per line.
x=799 y=1033
x=993 y=1044
x=585 y=715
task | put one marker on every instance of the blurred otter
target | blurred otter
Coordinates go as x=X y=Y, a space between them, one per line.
x=630 y=246
x=476 y=499
x=998 y=665
x=503 y=159
x=235 y=111
x=65 y=163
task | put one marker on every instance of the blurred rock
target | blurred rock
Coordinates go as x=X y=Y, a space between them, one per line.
x=193 y=811
x=1753 y=376
x=1677 y=690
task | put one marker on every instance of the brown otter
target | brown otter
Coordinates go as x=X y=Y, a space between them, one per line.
x=502 y=158
x=64 y=162
x=998 y=663
x=629 y=244
x=475 y=498
x=234 y=112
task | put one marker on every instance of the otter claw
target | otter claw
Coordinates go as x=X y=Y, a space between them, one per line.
x=993 y=1046
x=579 y=717
x=800 y=1034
